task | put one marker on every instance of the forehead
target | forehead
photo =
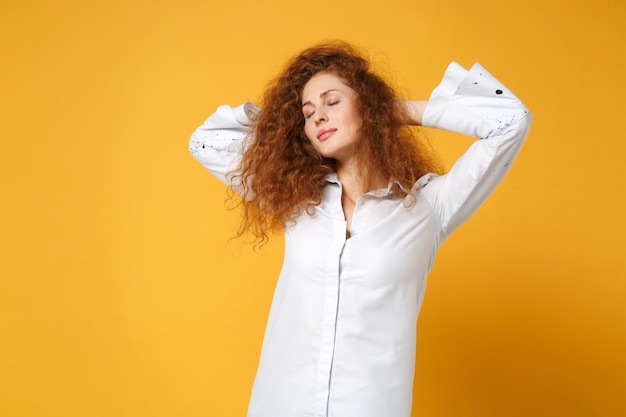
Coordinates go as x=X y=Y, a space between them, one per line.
x=321 y=83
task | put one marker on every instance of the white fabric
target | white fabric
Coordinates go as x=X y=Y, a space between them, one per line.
x=340 y=338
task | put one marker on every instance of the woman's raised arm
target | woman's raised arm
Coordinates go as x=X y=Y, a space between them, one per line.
x=218 y=144
x=476 y=104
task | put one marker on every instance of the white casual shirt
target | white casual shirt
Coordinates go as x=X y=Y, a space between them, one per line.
x=341 y=334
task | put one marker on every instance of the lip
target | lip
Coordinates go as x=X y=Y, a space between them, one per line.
x=325 y=133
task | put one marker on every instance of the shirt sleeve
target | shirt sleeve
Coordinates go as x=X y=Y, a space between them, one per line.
x=219 y=143
x=475 y=104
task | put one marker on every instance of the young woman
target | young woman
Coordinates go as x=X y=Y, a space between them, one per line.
x=329 y=160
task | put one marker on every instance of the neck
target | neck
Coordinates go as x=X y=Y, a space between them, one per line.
x=355 y=181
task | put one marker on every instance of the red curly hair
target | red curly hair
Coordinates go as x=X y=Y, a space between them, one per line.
x=281 y=171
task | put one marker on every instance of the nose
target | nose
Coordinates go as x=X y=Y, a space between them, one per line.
x=320 y=116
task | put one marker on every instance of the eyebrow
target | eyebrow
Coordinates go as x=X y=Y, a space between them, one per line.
x=321 y=96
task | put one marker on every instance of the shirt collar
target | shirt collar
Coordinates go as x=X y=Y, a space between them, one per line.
x=381 y=192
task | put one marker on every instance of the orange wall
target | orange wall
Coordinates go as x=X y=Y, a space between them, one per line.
x=120 y=294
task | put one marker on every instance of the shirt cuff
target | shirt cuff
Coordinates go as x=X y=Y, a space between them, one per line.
x=246 y=112
x=473 y=103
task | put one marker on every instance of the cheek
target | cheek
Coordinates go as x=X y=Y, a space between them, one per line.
x=355 y=120
x=309 y=132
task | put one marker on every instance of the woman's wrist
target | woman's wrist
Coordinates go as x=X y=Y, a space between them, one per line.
x=414 y=110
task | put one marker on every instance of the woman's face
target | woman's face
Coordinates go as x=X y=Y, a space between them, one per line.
x=331 y=121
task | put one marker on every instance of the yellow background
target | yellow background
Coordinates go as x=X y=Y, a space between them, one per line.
x=120 y=292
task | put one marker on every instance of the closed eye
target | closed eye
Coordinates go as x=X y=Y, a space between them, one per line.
x=307 y=110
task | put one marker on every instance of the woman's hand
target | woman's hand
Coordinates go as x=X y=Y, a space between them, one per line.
x=413 y=110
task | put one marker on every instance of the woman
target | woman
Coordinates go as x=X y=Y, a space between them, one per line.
x=328 y=159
